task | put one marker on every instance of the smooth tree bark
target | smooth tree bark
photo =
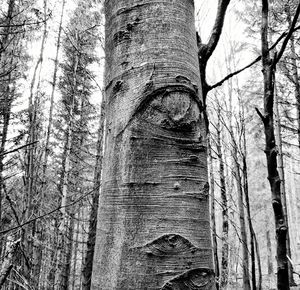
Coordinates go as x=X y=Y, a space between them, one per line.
x=269 y=67
x=154 y=209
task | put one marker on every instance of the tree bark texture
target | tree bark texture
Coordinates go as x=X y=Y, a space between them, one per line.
x=154 y=222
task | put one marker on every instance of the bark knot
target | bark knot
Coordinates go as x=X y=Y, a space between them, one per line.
x=195 y=279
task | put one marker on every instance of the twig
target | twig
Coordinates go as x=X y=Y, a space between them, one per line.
x=260 y=114
x=18 y=148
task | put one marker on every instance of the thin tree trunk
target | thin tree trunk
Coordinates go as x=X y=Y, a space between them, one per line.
x=53 y=255
x=213 y=215
x=154 y=209
x=225 y=217
x=245 y=260
x=247 y=201
x=76 y=250
x=282 y=179
x=36 y=227
x=259 y=286
x=6 y=102
x=271 y=154
x=54 y=80
x=62 y=269
x=252 y=234
x=69 y=249
x=88 y=260
x=240 y=194
x=63 y=227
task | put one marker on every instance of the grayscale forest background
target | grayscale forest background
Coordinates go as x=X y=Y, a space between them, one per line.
x=52 y=132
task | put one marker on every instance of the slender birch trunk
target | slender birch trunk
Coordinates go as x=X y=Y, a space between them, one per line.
x=154 y=229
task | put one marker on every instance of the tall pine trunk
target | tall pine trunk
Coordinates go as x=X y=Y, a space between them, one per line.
x=88 y=260
x=53 y=253
x=154 y=208
x=66 y=225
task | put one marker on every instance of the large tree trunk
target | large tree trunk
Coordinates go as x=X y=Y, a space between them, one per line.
x=154 y=209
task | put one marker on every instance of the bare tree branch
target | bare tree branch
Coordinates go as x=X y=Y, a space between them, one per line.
x=217 y=29
x=287 y=38
x=18 y=148
x=229 y=76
